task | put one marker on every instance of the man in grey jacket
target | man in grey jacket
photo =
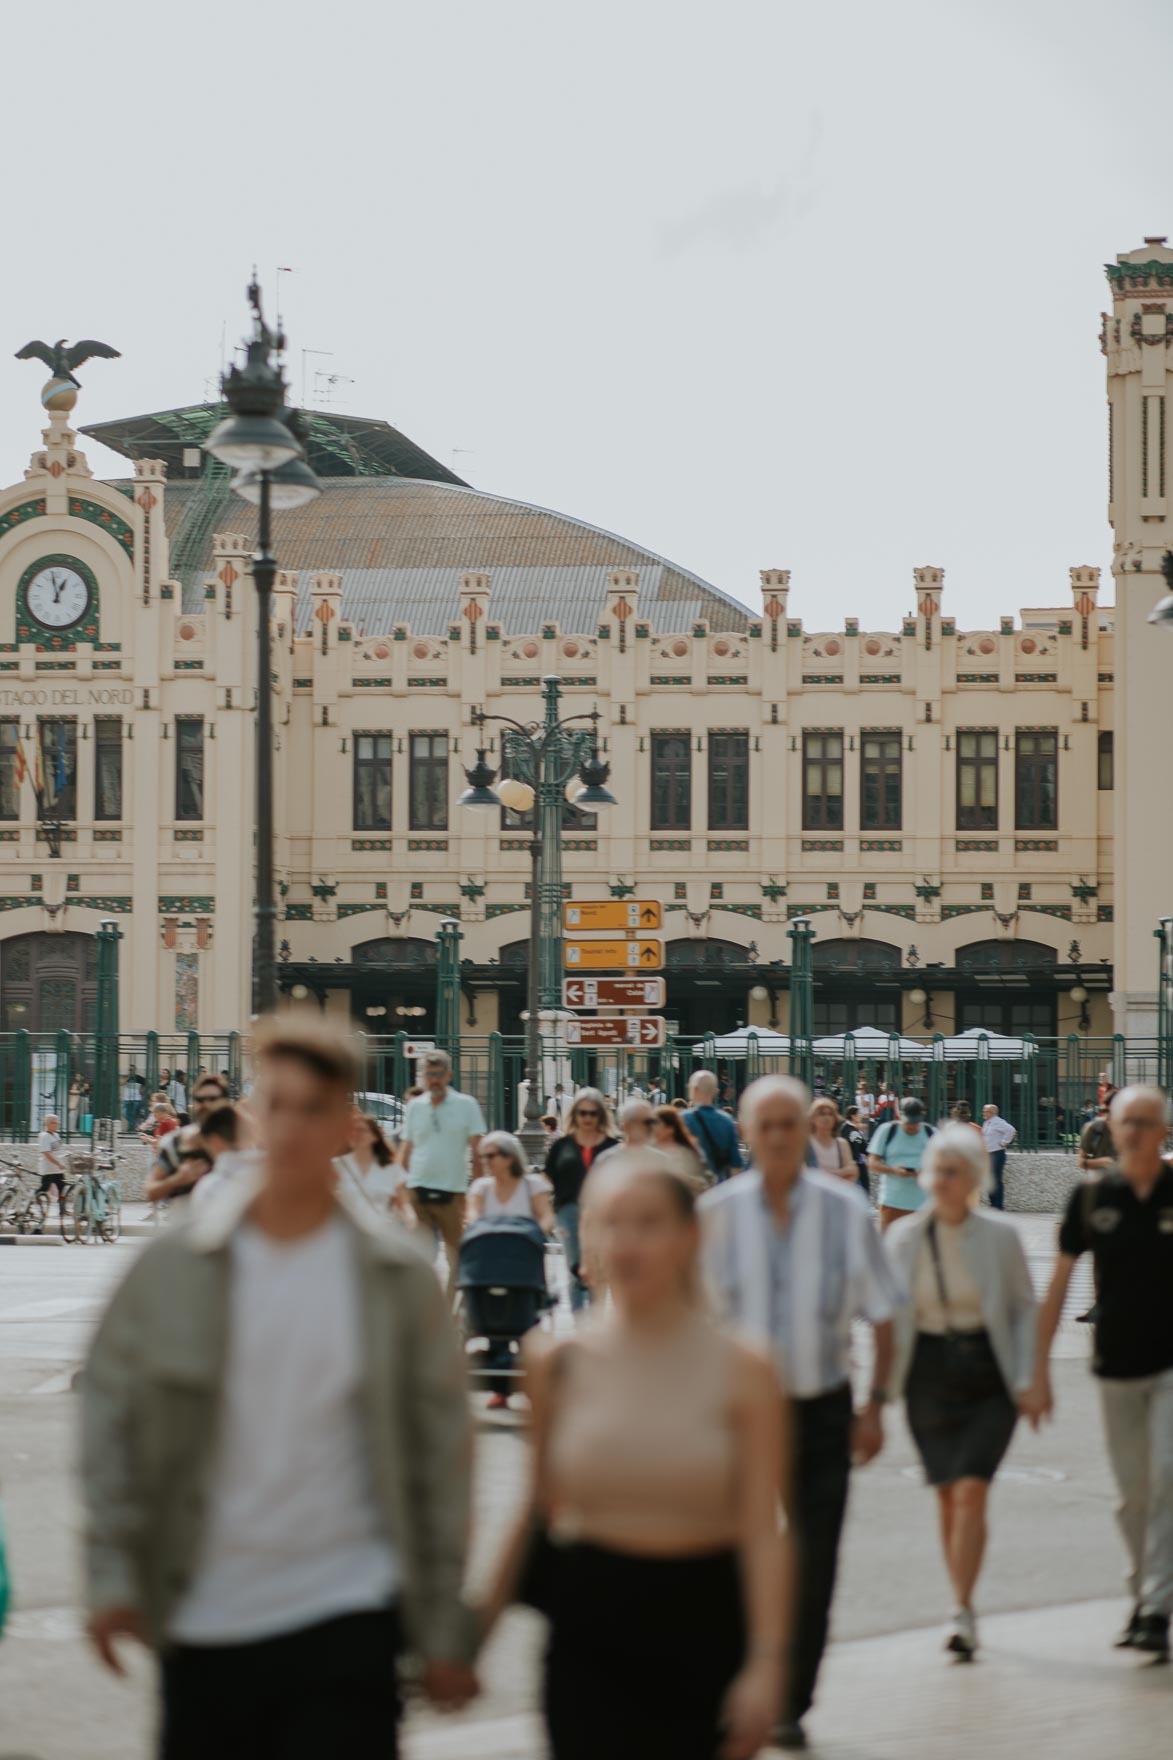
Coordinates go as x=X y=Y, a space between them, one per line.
x=276 y=1449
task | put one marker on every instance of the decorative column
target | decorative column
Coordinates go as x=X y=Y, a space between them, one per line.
x=105 y=1103
x=448 y=938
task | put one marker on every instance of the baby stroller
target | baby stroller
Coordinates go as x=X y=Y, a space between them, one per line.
x=501 y=1276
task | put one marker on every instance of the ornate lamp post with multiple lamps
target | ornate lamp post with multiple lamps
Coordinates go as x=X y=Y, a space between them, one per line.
x=260 y=441
x=541 y=758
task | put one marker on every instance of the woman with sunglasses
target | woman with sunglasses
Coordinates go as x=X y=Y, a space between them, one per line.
x=568 y=1161
x=504 y=1187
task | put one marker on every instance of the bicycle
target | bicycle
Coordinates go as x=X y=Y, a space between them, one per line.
x=93 y=1204
x=21 y=1211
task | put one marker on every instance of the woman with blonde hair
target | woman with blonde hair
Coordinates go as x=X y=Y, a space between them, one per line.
x=831 y=1152
x=964 y=1355
x=650 y=1537
x=569 y=1159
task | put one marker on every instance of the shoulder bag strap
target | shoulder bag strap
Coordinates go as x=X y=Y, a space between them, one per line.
x=707 y=1134
x=934 y=1249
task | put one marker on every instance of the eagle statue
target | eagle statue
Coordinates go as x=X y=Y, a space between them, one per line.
x=62 y=360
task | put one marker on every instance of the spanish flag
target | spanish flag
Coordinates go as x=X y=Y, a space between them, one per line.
x=22 y=768
x=38 y=770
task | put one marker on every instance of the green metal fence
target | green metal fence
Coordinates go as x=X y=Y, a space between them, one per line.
x=1047 y=1094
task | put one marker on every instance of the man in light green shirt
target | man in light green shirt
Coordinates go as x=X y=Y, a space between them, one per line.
x=441 y=1130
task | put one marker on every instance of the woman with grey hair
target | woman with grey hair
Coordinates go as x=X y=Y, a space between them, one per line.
x=964 y=1356
x=505 y=1186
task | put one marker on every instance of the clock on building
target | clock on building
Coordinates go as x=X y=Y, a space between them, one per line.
x=58 y=596
x=57 y=599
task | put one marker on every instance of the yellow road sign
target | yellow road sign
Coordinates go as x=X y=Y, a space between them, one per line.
x=643 y=914
x=612 y=956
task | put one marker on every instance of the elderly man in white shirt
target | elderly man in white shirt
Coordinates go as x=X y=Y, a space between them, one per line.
x=792 y=1257
x=997 y=1134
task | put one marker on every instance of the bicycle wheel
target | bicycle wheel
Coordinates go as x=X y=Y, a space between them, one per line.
x=111 y=1223
x=36 y=1213
x=68 y=1219
x=83 y=1217
x=9 y=1204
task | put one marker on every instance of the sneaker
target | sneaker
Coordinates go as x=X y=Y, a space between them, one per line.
x=1123 y=1639
x=498 y=1402
x=790 y=1736
x=961 y=1639
x=1152 y=1634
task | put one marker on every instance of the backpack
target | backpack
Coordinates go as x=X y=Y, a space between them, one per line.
x=885 y=1131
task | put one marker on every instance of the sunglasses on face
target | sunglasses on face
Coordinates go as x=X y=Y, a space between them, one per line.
x=588 y=1112
x=491 y=1154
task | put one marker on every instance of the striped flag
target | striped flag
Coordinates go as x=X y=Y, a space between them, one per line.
x=22 y=767
x=38 y=768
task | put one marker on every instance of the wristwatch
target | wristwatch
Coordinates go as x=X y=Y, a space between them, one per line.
x=878 y=1396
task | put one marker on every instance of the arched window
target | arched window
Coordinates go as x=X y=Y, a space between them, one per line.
x=1004 y=956
x=848 y=956
x=389 y=950
x=48 y=982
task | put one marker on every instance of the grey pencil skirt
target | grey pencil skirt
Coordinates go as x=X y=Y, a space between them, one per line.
x=961 y=1428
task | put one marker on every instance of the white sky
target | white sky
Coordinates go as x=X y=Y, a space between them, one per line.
x=751 y=284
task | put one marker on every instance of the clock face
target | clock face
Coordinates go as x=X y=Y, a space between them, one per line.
x=58 y=596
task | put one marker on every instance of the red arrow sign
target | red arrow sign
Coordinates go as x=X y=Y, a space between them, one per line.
x=644 y=1030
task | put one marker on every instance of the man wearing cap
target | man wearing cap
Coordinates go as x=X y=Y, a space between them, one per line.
x=895 y=1153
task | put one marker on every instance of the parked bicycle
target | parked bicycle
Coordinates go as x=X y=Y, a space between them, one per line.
x=93 y=1204
x=24 y=1208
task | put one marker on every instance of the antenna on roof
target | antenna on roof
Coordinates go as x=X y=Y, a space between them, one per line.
x=325 y=393
x=308 y=351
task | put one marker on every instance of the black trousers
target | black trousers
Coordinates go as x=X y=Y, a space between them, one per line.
x=327 y=1689
x=822 y=1469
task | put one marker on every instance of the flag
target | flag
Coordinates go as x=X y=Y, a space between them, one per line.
x=38 y=768
x=60 y=770
x=22 y=767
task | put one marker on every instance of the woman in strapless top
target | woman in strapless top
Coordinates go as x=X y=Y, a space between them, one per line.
x=651 y=1538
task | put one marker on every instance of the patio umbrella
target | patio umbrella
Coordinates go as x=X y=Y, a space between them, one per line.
x=769 y=1043
x=870 y=1045
x=967 y=1046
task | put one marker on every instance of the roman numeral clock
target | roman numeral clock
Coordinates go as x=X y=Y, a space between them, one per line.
x=57 y=603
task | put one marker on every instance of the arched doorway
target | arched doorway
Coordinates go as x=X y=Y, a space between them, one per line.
x=1007 y=987
x=48 y=983
x=707 y=982
x=398 y=976
x=857 y=984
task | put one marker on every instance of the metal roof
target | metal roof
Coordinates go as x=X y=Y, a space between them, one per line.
x=401 y=546
x=335 y=445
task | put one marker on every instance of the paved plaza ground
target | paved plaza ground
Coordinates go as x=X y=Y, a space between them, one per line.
x=1047 y=1685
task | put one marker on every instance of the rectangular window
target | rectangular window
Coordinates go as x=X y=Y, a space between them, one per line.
x=822 y=782
x=108 y=767
x=671 y=782
x=372 y=782
x=729 y=782
x=1036 y=781
x=880 y=781
x=58 y=768
x=9 y=780
x=977 y=781
x=429 y=782
x=189 y=767
x=1105 y=762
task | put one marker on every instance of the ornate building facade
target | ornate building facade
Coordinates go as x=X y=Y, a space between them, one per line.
x=943 y=805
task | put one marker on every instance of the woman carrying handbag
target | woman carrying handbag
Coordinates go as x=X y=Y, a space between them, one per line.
x=964 y=1353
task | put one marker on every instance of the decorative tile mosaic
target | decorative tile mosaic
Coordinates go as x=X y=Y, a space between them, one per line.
x=881 y=845
x=367 y=845
x=438 y=844
x=987 y=846
x=1036 y=844
x=172 y=902
x=737 y=845
x=817 y=846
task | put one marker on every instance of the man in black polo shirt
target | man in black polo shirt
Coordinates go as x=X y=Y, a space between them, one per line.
x=1125 y=1220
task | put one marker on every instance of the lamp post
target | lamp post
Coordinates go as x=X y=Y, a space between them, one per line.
x=105 y=1102
x=542 y=759
x=259 y=439
x=802 y=1000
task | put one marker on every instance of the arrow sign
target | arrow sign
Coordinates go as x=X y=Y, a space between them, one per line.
x=612 y=956
x=646 y=1030
x=614 y=992
x=613 y=913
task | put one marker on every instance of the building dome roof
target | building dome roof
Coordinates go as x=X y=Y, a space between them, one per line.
x=401 y=546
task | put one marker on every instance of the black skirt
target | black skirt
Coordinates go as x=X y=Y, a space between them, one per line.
x=961 y=1431
x=641 y=1653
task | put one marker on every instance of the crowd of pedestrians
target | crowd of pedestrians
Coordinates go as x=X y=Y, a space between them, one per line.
x=277 y=1430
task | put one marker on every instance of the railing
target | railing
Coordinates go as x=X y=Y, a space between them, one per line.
x=1047 y=1093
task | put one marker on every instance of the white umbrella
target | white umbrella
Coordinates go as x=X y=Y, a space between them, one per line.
x=769 y=1043
x=872 y=1045
x=967 y=1046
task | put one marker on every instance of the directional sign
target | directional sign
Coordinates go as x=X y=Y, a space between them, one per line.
x=613 y=992
x=612 y=956
x=614 y=913
x=644 y=1030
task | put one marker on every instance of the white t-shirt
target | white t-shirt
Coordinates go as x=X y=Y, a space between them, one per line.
x=520 y=1200
x=48 y=1143
x=378 y=1185
x=293 y=1533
